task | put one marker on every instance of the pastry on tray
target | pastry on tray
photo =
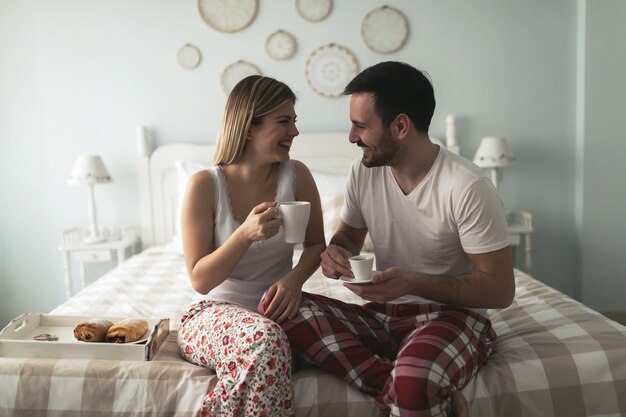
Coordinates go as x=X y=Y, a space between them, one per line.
x=94 y=330
x=127 y=331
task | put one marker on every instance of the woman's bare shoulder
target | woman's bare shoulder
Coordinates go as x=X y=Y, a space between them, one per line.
x=301 y=168
x=200 y=182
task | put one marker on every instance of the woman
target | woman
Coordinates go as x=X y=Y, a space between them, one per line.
x=237 y=258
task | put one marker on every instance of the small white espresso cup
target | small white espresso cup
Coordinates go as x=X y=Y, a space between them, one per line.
x=295 y=216
x=361 y=266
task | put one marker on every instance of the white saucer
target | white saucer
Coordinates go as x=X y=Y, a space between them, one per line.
x=354 y=280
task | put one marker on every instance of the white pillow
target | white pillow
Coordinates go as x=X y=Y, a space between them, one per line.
x=332 y=188
x=184 y=171
x=330 y=184
x=331 y=209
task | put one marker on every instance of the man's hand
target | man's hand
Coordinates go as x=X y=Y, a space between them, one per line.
x=387 y=285
x=335 y=262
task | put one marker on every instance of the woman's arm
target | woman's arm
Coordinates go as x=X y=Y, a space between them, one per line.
x=314 y=243
x=208 y=267
x=283 y=298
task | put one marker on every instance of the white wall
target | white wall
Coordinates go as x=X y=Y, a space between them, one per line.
x=77 y=76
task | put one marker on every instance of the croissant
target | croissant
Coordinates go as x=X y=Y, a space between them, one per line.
x=94 y=330
x=127 y=331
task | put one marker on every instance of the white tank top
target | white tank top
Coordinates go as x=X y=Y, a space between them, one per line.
x=266 y=261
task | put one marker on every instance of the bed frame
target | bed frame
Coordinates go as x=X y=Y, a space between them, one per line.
x=329 y=152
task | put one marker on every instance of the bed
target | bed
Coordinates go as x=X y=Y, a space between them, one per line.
x=554 y=356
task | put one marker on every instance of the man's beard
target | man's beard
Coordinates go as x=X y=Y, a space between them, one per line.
x=385 y=153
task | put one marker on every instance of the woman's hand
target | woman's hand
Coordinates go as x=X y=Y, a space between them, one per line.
x=262 y=223
x=281 y=301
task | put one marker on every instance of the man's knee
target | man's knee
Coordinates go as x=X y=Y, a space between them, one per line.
x=419 y=389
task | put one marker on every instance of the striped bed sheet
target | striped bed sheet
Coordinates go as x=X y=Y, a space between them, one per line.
x=554 y=357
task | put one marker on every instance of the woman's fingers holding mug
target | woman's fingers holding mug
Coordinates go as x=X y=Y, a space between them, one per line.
x=263 y=207
x=270 y=214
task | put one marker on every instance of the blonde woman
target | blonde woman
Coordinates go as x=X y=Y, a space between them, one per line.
x=237 y=258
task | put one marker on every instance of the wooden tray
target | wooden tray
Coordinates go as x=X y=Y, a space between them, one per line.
x=16 y=339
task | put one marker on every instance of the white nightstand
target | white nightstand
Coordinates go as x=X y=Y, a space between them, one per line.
x=520 y=228
x=118 y=242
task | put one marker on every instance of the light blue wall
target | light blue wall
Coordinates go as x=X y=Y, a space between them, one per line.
x=78 y=76
x=603 y=167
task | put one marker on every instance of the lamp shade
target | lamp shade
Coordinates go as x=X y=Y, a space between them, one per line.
x=89 y=169
x=493 y=152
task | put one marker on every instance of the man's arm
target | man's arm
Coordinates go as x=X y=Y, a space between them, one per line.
x=491 y=285
x=346 y=242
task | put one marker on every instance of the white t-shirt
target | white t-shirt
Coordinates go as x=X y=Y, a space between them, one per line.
x=455 y=210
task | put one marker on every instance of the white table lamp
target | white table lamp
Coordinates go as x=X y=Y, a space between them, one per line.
x=90 y=170
x=493 y=154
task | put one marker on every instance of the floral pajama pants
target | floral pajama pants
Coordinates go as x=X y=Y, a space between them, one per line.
x=410 y=357
x=250 y=355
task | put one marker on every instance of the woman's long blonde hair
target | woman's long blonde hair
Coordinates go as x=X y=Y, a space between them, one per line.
x=250 y=100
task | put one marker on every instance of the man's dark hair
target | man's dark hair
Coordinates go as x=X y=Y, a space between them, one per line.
x=397 y=88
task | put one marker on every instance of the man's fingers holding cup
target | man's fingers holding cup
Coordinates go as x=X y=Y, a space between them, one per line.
x=332 y=269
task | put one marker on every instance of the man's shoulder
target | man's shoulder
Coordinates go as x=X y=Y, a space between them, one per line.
x=460 y=169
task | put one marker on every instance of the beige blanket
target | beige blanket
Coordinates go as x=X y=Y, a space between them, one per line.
x=554 y=357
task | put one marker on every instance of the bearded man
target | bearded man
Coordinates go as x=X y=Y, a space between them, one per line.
x=442 y=253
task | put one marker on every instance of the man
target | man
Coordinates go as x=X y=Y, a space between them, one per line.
x=442 y=252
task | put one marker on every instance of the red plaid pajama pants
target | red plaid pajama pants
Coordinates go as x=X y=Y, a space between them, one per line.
x=410 y=357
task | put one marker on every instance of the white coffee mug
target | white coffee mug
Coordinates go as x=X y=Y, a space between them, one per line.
x=295 y=216
x=361 y=266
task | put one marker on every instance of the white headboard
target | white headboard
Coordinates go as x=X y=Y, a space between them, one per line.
x=158 y=194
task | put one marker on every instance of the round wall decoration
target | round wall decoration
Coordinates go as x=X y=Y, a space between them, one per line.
x=235 y=72
x=329 y=68
x=384 y=29
x=280 y=45
x=314 y=10
x=189 y=56
x=228 y=15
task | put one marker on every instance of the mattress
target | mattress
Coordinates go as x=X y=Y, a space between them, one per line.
x=554 y=356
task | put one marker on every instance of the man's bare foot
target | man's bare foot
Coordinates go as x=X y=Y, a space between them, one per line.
x=459 y=405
